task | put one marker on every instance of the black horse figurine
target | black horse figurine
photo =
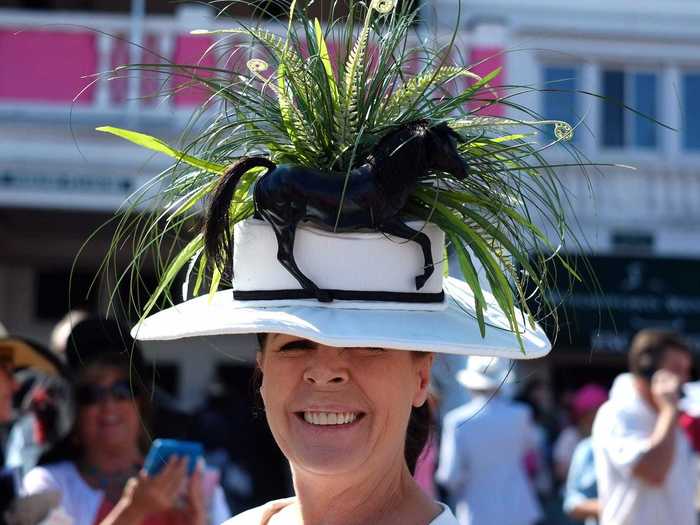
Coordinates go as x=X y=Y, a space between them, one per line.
x=371 y=197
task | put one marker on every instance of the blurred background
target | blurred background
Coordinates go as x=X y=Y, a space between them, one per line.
x=61 y=181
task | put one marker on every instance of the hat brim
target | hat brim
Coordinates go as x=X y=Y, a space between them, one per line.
x=28 y=354
x=452 y=329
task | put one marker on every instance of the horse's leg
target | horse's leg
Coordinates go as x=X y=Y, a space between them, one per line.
x=285 y=255
x=395 y=226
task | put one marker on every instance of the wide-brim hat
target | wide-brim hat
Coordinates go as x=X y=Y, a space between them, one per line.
x=485 y=373
x=21 y=352
x=372 y=279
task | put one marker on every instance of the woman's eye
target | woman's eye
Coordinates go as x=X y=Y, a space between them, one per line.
x=373 y=350
x=296 y=346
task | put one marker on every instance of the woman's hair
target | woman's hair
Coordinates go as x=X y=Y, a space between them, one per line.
x=420 y=425
x=648 y=348
x=420 y=422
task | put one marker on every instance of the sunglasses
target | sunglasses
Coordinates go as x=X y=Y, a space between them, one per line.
x=90 y=394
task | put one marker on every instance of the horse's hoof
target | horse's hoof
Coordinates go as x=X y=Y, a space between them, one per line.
x=324 y=296
x=420 y=281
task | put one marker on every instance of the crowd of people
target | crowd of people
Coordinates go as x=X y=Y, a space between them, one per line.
x=84 y=416
x=629 y=457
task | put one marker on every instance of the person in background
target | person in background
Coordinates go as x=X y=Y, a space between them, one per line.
x=581 y=491
x=17 y=353
x=584 y=406
x=643 y=460
x=97 y=469
x=482 y=449
x=536 y=395
x=45 y=418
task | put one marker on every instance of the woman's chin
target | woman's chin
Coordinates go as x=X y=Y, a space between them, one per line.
x=328 y=462
x=329 y=449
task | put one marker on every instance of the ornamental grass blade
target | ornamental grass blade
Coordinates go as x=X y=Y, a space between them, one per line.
x=155 y=144
x=469 y=272
x=326 y=61
x=171 y=271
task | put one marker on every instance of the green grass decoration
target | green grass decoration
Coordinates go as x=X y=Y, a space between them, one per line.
x=296 y=103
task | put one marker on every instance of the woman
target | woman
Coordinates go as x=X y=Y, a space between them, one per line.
x=340 y=417
x=344 y=385
x=359 y=178
x=97 y=469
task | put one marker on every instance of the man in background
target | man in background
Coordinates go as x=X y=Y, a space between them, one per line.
x=483 y=447
x=643 y=461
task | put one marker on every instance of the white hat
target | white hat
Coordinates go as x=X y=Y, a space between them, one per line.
x=485 y=373
x=358 y=153
x=374 y=274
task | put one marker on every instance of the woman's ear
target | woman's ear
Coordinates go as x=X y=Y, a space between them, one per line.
x=424 y=364
x=259 y=360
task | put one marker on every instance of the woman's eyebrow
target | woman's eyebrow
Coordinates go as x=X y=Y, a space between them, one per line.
x=304 y=344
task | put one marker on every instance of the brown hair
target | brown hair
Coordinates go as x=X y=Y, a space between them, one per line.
x=420 y=422
x=648 y=347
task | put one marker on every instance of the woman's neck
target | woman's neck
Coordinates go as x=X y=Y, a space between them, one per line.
x=109 y=460
x=385 y=496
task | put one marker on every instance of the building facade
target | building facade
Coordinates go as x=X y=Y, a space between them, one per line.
x=61 y=181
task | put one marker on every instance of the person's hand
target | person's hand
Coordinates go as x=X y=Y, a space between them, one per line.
x=665 y=389
x=144 y=495
x=194 y=511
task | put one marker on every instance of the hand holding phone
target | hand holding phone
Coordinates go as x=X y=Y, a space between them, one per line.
x=163 y=449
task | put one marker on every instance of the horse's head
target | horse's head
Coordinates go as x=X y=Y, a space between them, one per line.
x=442 y=153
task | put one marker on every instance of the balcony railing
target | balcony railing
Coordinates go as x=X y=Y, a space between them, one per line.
x=53 y=60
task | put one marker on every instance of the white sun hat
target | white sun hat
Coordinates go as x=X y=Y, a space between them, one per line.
x=371 y=277
x=485 y=373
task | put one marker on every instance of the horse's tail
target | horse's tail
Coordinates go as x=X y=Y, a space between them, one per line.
x=217 y=230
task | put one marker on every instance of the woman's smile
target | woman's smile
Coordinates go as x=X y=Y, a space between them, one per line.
x=330 y=418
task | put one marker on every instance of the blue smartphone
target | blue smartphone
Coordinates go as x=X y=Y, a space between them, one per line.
x=163 y=449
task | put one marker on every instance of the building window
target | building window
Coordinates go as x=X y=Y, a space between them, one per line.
x=623 y=128
x=691 y=110
x=559 y=95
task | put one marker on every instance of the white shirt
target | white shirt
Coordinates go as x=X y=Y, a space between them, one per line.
x=81 y=502
x=482 y=452
x=620 y=436
x=262 y=514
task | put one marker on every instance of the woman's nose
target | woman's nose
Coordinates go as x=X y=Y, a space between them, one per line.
x=327 y=367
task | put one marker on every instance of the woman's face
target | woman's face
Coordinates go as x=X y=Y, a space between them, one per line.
x=334 y=410
x=108 y=416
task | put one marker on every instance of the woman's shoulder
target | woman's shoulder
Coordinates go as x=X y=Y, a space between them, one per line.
x=52 y=472
x=259 y=515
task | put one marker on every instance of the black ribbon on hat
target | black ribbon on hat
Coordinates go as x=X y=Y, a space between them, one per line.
x=342 y=295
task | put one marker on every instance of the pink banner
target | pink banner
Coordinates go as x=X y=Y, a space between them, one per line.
x=484 y=60
x=192 y=50
x=47 y=66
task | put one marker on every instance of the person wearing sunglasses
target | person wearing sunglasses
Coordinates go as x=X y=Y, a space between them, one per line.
x=98 y=467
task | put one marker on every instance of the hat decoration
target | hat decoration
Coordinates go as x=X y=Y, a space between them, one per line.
x=352 y=143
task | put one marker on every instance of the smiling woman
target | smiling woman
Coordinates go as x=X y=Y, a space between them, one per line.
x=97 y=469
x=340 y=416
x=334 y=184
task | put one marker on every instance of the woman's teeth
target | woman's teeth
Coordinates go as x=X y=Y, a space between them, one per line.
x=329 y=418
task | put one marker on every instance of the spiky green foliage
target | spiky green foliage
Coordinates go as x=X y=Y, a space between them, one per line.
x=299 y=104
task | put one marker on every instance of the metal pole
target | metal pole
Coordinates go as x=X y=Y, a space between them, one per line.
x=136 y=39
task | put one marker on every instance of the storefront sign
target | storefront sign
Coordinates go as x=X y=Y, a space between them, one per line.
x=632 y=293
